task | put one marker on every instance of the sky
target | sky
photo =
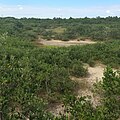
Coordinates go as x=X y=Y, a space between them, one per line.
x=59 y=8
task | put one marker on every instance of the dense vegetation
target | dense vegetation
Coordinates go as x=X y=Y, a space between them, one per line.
x=63 y=29
x=32 y=78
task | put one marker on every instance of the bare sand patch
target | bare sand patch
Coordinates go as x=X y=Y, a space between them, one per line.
x=64 y=43
x=86 y=85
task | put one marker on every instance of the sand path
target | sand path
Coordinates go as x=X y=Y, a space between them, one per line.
x=86 y=85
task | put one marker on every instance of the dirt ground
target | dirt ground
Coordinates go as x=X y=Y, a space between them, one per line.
x=86 y=85
x=64 y=43
x=95 y=75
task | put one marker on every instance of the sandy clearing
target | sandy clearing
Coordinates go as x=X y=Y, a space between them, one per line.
x=64 y=43
x=95 y=75
x=86 y=85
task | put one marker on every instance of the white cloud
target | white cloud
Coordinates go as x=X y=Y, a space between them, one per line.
x=49 y=12
x=118 y=10
x=20 y=7
x=108 y=11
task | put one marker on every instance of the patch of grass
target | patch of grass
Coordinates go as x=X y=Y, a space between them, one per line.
x=59 y=30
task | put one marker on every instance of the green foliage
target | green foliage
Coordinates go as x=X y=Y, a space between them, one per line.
x=77 y=69
x=82 y=108
x=91 y=62
x=107 y=52
x=111 y=82
x=31 y=78
x=111 y=87
x=64 y=29
x=27 y=80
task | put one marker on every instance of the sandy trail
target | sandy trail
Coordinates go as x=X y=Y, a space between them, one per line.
x=64 y=43
x=86 y=85
x=95 y=75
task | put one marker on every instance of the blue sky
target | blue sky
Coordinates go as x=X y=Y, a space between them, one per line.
x=59 y=8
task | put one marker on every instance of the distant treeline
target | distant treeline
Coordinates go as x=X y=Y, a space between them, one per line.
x=64 y=29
